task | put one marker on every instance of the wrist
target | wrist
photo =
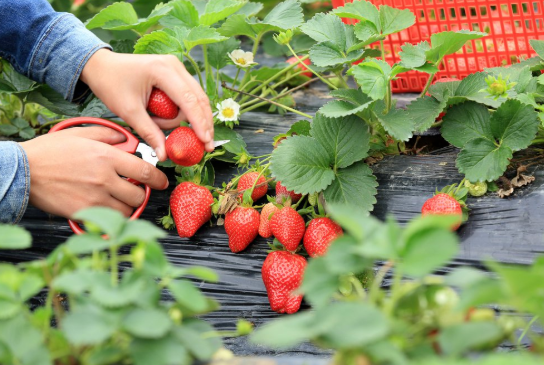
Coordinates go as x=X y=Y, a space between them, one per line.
x=94 y=64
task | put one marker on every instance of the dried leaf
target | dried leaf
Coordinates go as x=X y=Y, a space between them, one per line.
x=522 y=180
x=259 y=131
x=504 y=193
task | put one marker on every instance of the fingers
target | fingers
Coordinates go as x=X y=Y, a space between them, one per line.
x=131 y=166
x=125 y=209
x=127 y=192
x=101 y=134
x=148 y=130
x=170 y=123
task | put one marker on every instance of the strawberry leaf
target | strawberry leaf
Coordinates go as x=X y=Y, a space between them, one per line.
x=482 y=160
x=443 y=90
x=326 y=28
x=183 y=14
x=515 y=124
x=352 y=101
x=353 y=185
x=329 y=54
x=373 y=77
x=218 y=52
x=464 y=122
x=302 y=165
x=538 y=46
x=158 y=42
x=360 y=10
x=424 y=111
x=446 y=43
x=250 y=9
x=393 y=20
x=398 y=123
x=217 y=10
x=346 y=139
x=413 y=55
x=200 y=35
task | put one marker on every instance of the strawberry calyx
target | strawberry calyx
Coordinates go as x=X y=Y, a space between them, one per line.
x=278 y=246
x=460 y=193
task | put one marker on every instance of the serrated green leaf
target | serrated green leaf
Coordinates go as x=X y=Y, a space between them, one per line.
x=326 y=28
x=413 y=55
x=27 y=133
x=218 y=52
x=446 y=43
x=398 y=123
x=164 y=351
x=515 y=124
x=251 y=9
x=393 y=20
x=87 y=243
x=147 y=323
x=352 y=101
x=353 y=185
x=19 y=123
x=345 y=139
x=158 y=42
x=538 y=46
x=98 y=328
x=122 y=16
x=14 y=81
x=14 y=237
x=424 y=111
x=373 y=77
x=286 y=15
x=302 y=165
x=458 y=339
x=239 y=24
x=24 y=341
x=110 y=296
x=95 y=108
x=361 y=10
x=30 y=286
x=122 y=45
x=443 y=90
x=464 y=122
x=483 y=160
x=9 y=308
x=366 y=33
x=471 y=88
x=188 y=295
x=183 y=13
x=236 y=144
x=217 y=10
x=329 y=54
x=8 y=130
x=203 y=273
x=200 y=35
x=140 y=231
x=52 y=100
x=193 y=335
x=108 y=220
x=77 y=281
x=302 y=128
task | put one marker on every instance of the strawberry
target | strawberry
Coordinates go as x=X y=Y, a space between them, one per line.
x=307 y=61
x=191 y=207
x=319 y=234
x=183 y=147
x=242 y=226
x=161 y=105
x=288 y=227
x=282 y=274
x=264 y=227
x=282 y=194
x=443 y=204
x=246 y=182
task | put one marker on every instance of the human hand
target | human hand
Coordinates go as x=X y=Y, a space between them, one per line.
x=124 y=83
x=77 y=168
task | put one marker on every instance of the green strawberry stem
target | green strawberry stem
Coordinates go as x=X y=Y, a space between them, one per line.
x=256 y=42
x=357 y=286
x=272 y=78
x=268 y=156
x=526 y=330
x=207 y=69
x=268 y=101
x=342 y=79
x=309 y=68
x=459 y=186
x=429 y=82
x=113 y=265
x=236 y=77
x=388 y=96
x=265 y=169
x=378 y=280
x=195 y=66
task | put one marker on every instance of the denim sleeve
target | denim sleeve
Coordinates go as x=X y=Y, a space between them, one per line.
x=46 y=46
x=14 y=182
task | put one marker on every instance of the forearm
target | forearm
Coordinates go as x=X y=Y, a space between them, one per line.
x=14 y=182
x=46 y=46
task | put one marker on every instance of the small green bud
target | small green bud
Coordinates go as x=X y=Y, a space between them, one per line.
x=244 y=327
x=476 y=189
x=215 y=208
x=312 y=199
x=176 y=315
x=481 y=315
x=138 y=256
x=497 y=88
x=284 y=38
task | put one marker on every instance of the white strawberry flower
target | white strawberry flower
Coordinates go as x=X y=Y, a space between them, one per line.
x=228 y=110
x=242 y=58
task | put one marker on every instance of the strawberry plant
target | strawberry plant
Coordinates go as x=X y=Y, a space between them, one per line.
x=94 y=314
x=413 y=317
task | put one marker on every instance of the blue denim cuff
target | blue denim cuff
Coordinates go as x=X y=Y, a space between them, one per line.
x=61 y=53
x=14 y=182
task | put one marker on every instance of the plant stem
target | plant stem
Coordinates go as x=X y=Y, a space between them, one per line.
x=378 y=280
x=341 y=77
x=268 y=101
x=195 y=66
x=236 y=77
x=206 y=63
x=429 y=82
x=113 y=266
x=537 y=141
x=310 y=69
x=526 y=330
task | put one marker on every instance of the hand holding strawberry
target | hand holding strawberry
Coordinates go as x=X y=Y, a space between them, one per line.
x=282 y=273
x=161 y=105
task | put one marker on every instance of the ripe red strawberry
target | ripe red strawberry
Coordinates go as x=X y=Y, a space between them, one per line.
x=443 y=204
x=242 y=226
x=282 y=194
x=264 y=227
x=307 y=61
x=183 y=147
x=161 y=105
x=319 y=234
x=191 y=207
x=246 y=182
x=288 y=227
x=282 y=274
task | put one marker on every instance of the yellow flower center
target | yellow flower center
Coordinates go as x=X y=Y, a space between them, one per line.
x=228 y=112
x=241 y=61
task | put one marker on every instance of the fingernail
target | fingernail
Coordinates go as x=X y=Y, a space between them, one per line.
x=161 y=154
x=209 y=137
x=167 y=183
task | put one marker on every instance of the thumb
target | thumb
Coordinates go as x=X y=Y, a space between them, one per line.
x=148 y=130
x=100 y=134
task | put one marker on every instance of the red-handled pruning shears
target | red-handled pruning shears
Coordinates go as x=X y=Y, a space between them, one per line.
x=131 y=145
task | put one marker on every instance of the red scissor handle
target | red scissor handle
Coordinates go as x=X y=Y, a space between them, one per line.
x=130 y=146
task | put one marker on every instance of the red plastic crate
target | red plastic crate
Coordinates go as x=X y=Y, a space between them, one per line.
x=509 y=23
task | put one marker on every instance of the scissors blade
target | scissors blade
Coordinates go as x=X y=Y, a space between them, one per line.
x=148 y=154
x=220 y=143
